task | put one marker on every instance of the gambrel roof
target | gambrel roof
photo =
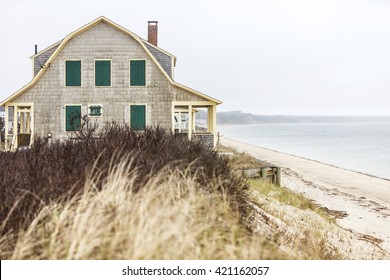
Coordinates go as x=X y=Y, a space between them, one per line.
x=148 y=48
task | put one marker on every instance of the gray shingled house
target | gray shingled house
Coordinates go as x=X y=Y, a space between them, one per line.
x=107 y=73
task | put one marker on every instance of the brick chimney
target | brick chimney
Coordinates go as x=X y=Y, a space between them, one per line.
x=152 y=32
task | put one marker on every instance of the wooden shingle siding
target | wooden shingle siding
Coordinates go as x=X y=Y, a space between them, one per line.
x=164 y=60
x=50 y=96
x=41 y=59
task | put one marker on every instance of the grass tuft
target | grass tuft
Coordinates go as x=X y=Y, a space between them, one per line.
x=171 y=217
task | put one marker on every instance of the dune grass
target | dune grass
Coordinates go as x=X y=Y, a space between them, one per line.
x=171 y=217
x=149 y=195
x=288 y=197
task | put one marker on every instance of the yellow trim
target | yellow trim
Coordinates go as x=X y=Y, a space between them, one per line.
x=15 y=119
x=81 y=72
x=45 y=50
x=193 y=103
x=161 y=50
x=94 y=72
x=86 y=27
x=39 y=53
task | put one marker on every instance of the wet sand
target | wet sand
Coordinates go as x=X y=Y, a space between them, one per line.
x=360 y=202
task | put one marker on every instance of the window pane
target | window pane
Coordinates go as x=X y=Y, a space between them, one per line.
x=95 y=110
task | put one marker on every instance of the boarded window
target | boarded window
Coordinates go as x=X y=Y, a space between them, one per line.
x=73 y=118
x=137 y=72
x=73 y=73
x=102 y=73
x=137 y=117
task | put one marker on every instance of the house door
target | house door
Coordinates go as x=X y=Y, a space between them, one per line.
x=137 y=117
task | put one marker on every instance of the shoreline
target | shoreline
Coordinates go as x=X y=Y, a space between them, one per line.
x=309 y=159
x=363 y=199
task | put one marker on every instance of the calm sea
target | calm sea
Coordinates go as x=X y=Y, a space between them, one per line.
x=363 y=147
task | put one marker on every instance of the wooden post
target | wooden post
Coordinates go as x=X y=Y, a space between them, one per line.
x=6 y=123
x=15 y=127
x=189 y=122
x=193 y=121
x=209 y=122
x=22 y=122
x=264 y=171
x=28 y=122
x=179 y=121
x=173 y=117
x=31 y=124
x=278 y=176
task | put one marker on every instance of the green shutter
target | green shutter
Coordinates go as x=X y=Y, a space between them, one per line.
x=137 y=72
x=137 y=117
x=102 y=73
x=73 y=118
x=73 y=73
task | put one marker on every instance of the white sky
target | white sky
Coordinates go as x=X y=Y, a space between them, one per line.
x=299 y=57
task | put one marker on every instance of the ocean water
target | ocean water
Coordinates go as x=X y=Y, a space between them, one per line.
x=362 y=147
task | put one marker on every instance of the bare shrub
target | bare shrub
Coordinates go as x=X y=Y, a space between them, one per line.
x=170 y=217
x=33 y=178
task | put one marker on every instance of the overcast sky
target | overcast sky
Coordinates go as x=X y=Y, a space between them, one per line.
x=299 y=57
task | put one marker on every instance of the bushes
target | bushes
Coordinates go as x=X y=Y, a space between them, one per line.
x=170 y=217
x=30 y=179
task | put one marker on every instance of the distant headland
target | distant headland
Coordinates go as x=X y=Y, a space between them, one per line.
x=239 y=117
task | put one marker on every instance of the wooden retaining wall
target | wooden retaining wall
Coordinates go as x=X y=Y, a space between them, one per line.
x=271 y=173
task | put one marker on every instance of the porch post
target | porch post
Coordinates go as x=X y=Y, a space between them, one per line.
x=28 y=122
x=189 y=122
x=179 y=121
x=209 y=118
x=214 y=126
x=15 y=127
x=31 y=123
x=6 y=123
x=173 y=117
x=22 y=120
x=193 y=120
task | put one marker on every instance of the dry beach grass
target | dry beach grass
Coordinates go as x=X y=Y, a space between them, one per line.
x=152 y=202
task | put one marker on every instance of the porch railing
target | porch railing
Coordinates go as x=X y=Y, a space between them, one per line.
x=205 y=137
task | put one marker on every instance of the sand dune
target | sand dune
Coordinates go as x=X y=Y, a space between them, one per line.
x=362 y=201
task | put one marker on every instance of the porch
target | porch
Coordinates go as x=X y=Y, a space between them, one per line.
x=195 y=120
x=19 y=129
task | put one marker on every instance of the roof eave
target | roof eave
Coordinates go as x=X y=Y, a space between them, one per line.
x=87 y=26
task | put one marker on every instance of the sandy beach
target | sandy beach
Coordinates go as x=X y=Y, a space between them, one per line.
x=360 y=202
